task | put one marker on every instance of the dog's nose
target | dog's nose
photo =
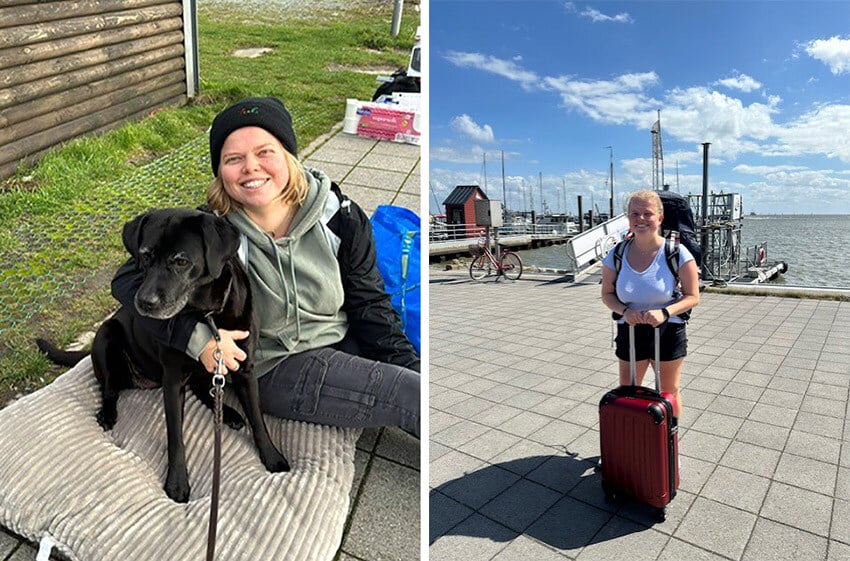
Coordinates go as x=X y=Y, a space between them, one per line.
x=147 y=303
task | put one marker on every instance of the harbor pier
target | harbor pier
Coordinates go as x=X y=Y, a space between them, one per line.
x=514 y=392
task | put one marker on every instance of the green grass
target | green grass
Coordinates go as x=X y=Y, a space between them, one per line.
x=60 y=221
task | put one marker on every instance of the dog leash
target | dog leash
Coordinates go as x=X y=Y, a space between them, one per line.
x=217 y=392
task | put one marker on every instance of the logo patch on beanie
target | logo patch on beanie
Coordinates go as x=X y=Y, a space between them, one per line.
x=249 y=110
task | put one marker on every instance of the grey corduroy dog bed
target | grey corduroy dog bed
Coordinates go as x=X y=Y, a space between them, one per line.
x=98 y=495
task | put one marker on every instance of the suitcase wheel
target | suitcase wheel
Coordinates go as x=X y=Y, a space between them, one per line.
x=661 y=514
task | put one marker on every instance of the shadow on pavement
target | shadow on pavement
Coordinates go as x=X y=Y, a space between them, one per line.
x=556 y=500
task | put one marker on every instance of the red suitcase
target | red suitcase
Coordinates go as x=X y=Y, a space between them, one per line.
x=639 y=440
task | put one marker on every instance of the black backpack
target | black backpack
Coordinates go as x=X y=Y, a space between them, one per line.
x=671 y=256
x=679 y=223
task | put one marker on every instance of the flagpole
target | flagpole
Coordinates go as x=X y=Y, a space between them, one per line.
x=660 y=149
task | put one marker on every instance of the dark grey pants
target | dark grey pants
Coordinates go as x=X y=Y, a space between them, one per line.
x=331 y=387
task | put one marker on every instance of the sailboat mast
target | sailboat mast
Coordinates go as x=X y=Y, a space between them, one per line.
x=504 y=191
x=660 y=150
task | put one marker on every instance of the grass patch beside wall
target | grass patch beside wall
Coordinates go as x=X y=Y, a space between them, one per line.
x=60 y=221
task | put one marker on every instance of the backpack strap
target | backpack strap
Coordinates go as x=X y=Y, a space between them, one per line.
x=671 y=254
x=619 y=255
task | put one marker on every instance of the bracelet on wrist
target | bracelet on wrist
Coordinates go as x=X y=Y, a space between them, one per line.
x=666 y=313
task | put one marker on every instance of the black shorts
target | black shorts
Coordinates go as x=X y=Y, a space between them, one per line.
x=674 y=341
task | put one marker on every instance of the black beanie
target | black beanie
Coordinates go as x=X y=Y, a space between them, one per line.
x=268 y=113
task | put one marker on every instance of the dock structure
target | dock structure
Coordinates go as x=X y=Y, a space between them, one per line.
x=458 y=239
x=514 y=394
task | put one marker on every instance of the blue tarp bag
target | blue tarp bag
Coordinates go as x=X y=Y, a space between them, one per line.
x=398 y=243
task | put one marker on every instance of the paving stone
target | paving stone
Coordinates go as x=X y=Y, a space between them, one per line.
x=489 y=444
x=459 y=433
x=451 y=466
x=717 y=527
x=560 y=472
x=693 y=473
x=26 y=552
x=677 y=550
x=763 y=434
x=781 y=398
x=823 y=406
x=585 y=522
x=557 y=433
x=526 y=548
x=436 y=450
x=814 y=446
x=818 y=424
x=806 y=473
x=776 y=542
x=842 y=487
x=840 y=528
x=475 y=539
x=773 y=415
x=444 y=514
x=798 y=508
x=477 y=488
x=525 y=424
x=520 y=505
x=703 y=446
x=735 y=488
x=390 y=163
x=398 y=446
x=750 y=458
x=380 y=514
x=8 y=542
x=838 y=551
x=717 y=424
x=620 y=535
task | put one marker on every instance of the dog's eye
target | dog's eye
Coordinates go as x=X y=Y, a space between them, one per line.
x=181 y=262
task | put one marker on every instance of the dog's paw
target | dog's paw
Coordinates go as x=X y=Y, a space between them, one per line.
x=106 y=419
x=275 y=462
x=177 y=489
x=232 y=418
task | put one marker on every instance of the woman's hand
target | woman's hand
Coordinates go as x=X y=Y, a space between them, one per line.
x=633 y=317
x=654 y=317
x=230 y=351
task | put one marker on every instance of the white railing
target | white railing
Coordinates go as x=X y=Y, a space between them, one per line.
x=439 y=232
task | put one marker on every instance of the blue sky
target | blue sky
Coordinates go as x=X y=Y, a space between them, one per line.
x=550 y=84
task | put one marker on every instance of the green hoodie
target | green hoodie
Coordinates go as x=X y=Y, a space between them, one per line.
x=295 y=281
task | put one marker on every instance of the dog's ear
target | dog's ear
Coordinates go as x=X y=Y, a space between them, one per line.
x=132 y=234
x=221 y=242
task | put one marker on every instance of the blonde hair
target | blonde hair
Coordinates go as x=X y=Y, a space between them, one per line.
x=648 y=196
x=293 y=193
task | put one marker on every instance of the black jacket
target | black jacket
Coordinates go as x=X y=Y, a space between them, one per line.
x=374 y=329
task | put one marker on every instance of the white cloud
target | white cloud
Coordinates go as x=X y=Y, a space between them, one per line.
x=834 y=52
x=466 y=126
x=740 y=82
x=692 y=114
x=598 y=17
x=821 y=131
x=452 y=154
x=620 y=100
x=505 y=68
x=765 y=170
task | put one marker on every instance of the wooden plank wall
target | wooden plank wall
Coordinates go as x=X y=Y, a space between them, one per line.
x=75 y=67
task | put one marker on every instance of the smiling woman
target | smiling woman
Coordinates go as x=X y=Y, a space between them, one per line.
x=331 y=348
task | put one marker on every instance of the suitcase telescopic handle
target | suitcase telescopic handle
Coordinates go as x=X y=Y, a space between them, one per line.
x=633 y=360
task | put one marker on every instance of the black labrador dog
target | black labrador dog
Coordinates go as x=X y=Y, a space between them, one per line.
x=190 y=265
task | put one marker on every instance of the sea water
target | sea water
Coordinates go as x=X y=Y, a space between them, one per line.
x=816 y=248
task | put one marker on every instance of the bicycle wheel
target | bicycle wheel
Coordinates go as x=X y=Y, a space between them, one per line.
x=480 y=267
x=511 y=265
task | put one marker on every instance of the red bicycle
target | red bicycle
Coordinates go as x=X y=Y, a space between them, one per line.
x=484 y=263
